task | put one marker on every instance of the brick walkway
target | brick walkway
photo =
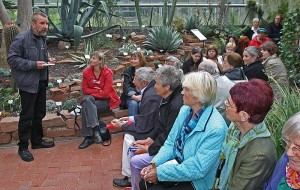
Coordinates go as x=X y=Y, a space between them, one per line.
x=63 y=167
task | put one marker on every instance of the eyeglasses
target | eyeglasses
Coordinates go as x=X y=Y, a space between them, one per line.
x=227 y=104
x=288 y=144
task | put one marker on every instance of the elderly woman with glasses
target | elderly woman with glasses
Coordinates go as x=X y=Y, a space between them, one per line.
x=248 y=150
x=287 y=171
x=189 y=157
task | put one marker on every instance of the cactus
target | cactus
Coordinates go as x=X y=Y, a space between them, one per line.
x=10 y=30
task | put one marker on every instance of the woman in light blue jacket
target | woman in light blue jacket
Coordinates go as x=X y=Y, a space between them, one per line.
x=190 y=156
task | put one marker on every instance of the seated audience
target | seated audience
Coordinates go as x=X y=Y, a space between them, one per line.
x=130 y=97
x=99 y=96
x=173 y=61
x=230 y=47
x=212 y=53
x=232 y=67
x=253 y=67
x=274 y=29
x=168 y=86
x=260 y=38
x=287 y=171
x=193 y=62
x=223 y=85
x=274 y=67
x=233 y=39
x=243 y=43
x=142 y=124
x=252 y=32
x=189 y=157
x=248 y=150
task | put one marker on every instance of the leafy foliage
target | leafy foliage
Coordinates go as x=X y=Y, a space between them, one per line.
x=9 y=100
x=289 y=49
x=163 y=39
x=281 y=111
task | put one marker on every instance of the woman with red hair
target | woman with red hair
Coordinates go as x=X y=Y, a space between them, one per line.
x=248 y=150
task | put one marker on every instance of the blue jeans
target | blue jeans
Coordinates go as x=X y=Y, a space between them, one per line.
x=133 y=107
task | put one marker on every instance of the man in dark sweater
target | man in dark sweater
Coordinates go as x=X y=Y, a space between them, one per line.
x=274 y=29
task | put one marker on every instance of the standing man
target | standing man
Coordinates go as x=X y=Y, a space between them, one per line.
x=274 y=29
x=27 y=58
x=251 y=33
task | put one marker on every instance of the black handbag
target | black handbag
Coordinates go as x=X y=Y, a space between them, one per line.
x=104 y=133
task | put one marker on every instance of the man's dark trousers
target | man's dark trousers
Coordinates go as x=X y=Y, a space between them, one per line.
x=33 y=111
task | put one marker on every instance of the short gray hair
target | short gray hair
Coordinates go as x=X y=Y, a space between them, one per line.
x=145 y=74
x=255 y=20
x=176 y=62
x=36 y=14
x=202 y=85
x=291 y=128
x=209 y=66
x=253 y=51
x=169 y=75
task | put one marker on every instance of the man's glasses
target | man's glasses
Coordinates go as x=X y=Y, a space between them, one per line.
x=288 y=144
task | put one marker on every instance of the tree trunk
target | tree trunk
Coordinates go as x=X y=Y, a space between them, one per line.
x=24 y=14
x=4 y=17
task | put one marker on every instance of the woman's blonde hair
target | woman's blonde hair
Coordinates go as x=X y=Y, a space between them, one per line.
x=202 y=85
x=101 y=56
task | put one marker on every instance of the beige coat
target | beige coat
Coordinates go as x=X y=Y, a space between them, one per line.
x=277 y=74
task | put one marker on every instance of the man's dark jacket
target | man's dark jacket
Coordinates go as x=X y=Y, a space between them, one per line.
x=274 y=31
x=22 y=57
x=148 y=114
x=168 y=111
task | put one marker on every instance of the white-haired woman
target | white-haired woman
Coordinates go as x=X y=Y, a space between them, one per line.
x=193 y=145
x=287 y=171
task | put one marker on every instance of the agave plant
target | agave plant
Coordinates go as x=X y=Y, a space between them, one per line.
x=74 y=15
x=163 y=39
x=85 y=57
x=190 y=23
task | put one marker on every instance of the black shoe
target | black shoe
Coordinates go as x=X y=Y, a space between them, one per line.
x=25 y=155
x=97 y=137
x=86 y=142
x=122 y=182
x=43 y=144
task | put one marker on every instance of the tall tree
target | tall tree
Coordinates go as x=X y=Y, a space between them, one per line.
x=24 y=14
x=4 y=17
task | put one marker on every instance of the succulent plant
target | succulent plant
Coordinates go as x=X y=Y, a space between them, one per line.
x=163 y=39
x=69 y=104
x=50 y=85
x=190 y=23
x=128 y=48
x=50 y=105
x=10 y=30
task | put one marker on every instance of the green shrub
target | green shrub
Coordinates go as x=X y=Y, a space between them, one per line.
x=163 y=39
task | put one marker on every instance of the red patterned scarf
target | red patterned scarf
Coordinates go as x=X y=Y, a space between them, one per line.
x=292 y=178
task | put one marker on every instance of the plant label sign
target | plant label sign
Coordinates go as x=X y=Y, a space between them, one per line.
x=198 y=34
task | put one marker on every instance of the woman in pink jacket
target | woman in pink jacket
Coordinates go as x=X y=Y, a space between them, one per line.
x=99 y=96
